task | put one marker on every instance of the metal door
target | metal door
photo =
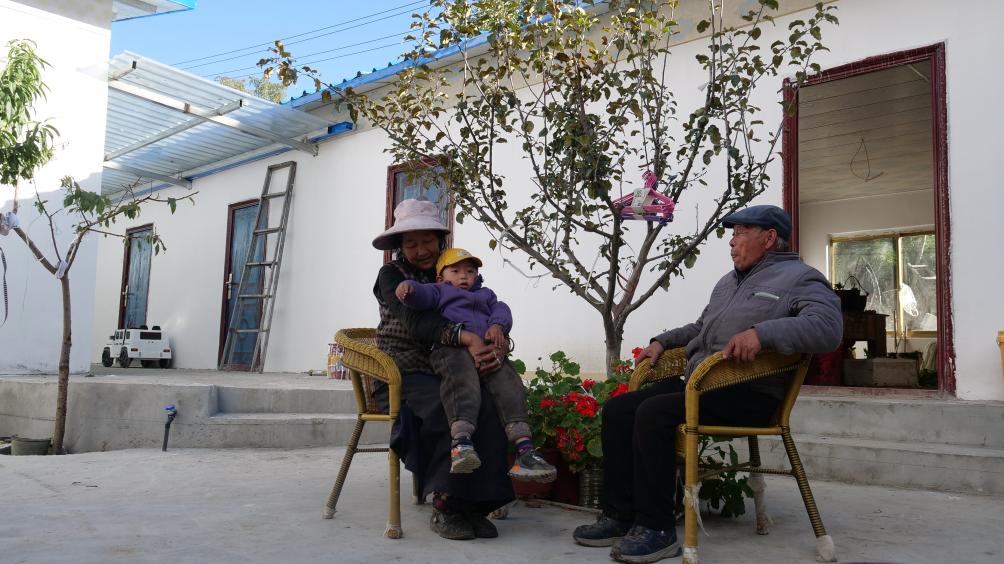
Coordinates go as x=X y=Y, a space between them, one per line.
x=136 y=289
x=242 y=224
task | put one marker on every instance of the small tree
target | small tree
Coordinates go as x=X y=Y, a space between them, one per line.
x=25 y=146
x=258 y=86
x=584 y=90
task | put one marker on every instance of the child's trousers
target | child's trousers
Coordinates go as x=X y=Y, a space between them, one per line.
x=460 y=388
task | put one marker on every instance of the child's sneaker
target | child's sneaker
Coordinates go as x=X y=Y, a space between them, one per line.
x=531 y=467
x=463 y=458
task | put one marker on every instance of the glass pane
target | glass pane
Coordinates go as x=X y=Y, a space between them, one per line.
x=869 y=264
x=424 y=184
x=918 y=294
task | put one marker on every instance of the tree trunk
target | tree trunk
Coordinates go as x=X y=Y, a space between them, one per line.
x=614 y=339
x=64 y=371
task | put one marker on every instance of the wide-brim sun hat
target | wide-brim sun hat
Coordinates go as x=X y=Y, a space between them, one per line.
x=410 y=215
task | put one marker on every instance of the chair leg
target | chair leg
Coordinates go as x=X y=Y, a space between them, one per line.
x=759 y=487
x=416 y=492
x=825 y=550
x=691 y=501
x=394 y=502
x=350 y=451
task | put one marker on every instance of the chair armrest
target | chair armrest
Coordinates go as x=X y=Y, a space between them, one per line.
x=364 y=361
x=715 y=373
x=672 y=363
x=361 y=354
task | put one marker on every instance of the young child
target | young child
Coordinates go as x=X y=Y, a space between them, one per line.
x=459 y=297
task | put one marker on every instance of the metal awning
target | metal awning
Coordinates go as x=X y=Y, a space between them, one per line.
x=165 y=125
x=130 y=9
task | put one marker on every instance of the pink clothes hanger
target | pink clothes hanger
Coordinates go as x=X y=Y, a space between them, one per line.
x=647 y=203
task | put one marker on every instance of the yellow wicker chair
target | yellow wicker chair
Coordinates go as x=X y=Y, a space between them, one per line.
x=366 y=363
x=715 y=373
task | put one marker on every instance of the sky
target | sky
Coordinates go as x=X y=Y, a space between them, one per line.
x=227 y=37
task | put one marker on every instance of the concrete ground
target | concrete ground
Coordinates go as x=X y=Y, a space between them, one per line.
x=249 y=506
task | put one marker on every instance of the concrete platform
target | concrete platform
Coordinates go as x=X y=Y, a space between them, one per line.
x=124 y=408
x=929 y=443
x=263 y=506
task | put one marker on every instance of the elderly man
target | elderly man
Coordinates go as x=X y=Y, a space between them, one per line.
x=771 y=300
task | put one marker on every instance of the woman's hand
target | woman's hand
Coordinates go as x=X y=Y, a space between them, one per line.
x=495 y=336
x=484 y=355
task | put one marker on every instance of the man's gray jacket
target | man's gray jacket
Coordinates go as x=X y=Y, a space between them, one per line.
x=789 y=303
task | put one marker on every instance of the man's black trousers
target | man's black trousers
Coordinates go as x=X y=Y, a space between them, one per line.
x=639 y=440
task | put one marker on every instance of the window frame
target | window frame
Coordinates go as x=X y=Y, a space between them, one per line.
x=897 y=236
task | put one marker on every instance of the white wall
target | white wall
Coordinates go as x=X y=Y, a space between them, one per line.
x=330 y=267
x=74 y=38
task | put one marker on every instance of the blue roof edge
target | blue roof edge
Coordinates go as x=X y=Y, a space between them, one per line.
x=390 y=71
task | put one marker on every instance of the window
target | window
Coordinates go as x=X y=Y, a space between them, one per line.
x=415 y=181
x=897 y=270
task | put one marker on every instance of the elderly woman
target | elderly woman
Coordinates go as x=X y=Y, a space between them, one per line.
x=461 y=502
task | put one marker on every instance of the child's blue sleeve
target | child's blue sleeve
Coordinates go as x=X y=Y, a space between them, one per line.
x=422 y=296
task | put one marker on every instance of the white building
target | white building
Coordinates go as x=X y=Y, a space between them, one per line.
x=892 y=145
x=74 y=38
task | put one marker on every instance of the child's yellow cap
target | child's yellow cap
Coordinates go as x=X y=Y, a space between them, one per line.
x=453 y=256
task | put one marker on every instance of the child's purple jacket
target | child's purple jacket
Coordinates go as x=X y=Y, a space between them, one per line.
x=477 y=308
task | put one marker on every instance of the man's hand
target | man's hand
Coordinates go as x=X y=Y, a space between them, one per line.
x=653 y=350
x=403 y=290
x=743 y=346
x=495 y=336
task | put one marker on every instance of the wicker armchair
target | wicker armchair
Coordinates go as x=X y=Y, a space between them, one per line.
x=715 y=373
x=366 y=363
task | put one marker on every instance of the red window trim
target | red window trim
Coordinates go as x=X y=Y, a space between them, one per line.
x=935 y=55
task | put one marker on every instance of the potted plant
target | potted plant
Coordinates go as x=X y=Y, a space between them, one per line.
x=565 y=418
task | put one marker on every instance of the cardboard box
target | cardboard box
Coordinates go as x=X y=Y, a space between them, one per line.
x=882 y=372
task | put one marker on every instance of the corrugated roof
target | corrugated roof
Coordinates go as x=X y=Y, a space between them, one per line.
x=131 y=9
x=185 y=122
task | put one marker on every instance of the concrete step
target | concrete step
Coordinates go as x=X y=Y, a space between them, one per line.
x=899 y=419
x=242 y=399
x=917 y=465
x=284 y=430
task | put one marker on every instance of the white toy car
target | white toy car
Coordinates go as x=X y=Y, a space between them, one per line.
x=150 y=346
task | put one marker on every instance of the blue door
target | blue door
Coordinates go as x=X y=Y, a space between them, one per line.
x=242 y=222
x=137 y=286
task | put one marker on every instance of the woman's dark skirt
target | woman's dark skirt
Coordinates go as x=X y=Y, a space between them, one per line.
x=421 y=437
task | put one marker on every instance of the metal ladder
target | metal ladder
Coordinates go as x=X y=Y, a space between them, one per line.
x=268 y=268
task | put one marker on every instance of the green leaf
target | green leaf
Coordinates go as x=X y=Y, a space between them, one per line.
x=492 y=244
x=703 y=25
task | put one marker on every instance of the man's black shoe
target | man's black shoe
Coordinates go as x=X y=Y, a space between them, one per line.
x=453 y=526
x=642 y=545
x=604 y=532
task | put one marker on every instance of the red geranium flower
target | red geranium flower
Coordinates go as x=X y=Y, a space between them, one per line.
x=620 y=389
x=588 y=383
x=636 y=352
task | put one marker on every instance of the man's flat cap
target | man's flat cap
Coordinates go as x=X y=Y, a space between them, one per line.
x=768 y=217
